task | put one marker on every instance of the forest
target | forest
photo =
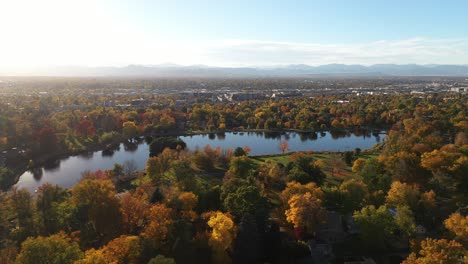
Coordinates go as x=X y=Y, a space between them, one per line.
x=405 y=200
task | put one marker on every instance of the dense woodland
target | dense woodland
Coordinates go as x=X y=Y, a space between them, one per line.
x=407 y=196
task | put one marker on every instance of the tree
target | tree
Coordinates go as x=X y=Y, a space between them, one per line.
x=404 y=220
x=160 y=259
x=122 y=250
x=160 y=143
x=354 y=193
x=99 y=206
x=129 y=167
x=358 y=165
x=240 y=167
x=85 y=129
x=284 y=146
x=438 y=251
x=134 y=208
x=158 y=226
x=156 y=166
x=238 y=152
x=245 y=199
x=305 y=211
x=53 y=209
x=183 y=175
x=403 y=194
x=129 y=129
x=458 y=225
x=185 y=205
x=293 y=188
x=24 y=209
x=375 y=225
x=270 y=172
x=303 y=169
x=373 y=174
x=222 y=235
x=58 y=249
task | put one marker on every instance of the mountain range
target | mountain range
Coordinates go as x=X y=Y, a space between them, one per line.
x=295 y=70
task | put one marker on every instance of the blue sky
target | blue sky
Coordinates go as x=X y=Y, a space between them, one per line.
x=232 y=33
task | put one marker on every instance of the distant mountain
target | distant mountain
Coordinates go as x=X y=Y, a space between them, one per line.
x=295 y=70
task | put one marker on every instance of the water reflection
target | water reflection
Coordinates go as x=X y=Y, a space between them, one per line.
x=87 y=155
x=221 y=135
x=37 y=173
x=52 y=165
x=130 y=146
x=211 y=136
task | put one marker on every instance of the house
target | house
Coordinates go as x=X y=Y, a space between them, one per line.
x=332 y=230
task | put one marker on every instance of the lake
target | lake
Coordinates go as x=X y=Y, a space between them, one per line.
x=67 y=172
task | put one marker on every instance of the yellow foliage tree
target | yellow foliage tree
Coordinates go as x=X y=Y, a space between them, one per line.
x=222 y=235
x=188 y=202
x=458 y=224
x=403 y=194
x=305 y=211
x=293 y=188
x=358 y=165
x=438 y=251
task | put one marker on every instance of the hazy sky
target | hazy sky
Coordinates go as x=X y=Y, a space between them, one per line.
x=232 y=33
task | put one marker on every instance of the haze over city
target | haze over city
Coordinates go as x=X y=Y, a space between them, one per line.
x=40 y=34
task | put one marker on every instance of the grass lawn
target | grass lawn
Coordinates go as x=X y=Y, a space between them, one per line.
x=335 y=168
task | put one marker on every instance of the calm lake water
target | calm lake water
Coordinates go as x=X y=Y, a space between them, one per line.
x=67 y=172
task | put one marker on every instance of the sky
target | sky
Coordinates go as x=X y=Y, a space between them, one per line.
x=231 y=33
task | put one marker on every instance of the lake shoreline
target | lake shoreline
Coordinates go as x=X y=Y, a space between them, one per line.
x=100 y=147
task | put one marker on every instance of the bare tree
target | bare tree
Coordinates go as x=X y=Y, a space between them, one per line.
x=284 y=146
x=129 y=166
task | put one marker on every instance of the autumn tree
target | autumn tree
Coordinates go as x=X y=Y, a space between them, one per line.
x=134 y=208
x=55 y=249
x=222 y=236
x=270 y=172
x=293 y=188
x=100 y=209
x=157 y=229
x=358 y=165
x=129 y=129
x=188 y=202
x=438 y=251
x=403 y=194
x=85 y=129
x=305 y=211
x=458 y=225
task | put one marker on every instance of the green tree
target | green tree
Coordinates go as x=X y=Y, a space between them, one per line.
x=354 y=194
x=55 y=249
x=160 y=259
x=245 y=199
x=375 y=225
